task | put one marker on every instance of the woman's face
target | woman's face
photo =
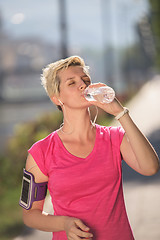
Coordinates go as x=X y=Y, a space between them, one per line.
x=73 y=82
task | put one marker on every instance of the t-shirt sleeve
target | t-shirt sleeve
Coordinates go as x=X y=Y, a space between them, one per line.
x=38 y=155
x=121 y=134
x=116 y=135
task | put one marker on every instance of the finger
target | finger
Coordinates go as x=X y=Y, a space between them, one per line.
x=97 y=103
x=90 y=236
x=105 y=106
x=74 y=237
x=83 y=234
x=81 y=225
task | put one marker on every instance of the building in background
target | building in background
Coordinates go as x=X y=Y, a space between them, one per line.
x=110 y=39
x=113 y=36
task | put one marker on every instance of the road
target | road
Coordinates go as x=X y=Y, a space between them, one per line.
x=141 y=193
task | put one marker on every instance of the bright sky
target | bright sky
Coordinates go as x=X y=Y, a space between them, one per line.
x=40 y=18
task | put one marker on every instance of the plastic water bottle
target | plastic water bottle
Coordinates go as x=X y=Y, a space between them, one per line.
x=102 y=94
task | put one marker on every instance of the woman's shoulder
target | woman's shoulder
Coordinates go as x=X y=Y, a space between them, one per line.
x=109 y=129
x=42 y=143
x=110 y=132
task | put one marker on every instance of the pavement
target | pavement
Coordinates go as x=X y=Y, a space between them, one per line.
x=142 y=203
x=142 y=194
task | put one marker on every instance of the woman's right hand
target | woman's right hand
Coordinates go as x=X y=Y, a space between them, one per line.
x=76 y=230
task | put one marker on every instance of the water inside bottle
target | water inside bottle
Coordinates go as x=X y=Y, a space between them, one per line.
x=90 y=97
x=102 y=94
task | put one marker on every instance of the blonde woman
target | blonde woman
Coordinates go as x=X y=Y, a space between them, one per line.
x=81 y=161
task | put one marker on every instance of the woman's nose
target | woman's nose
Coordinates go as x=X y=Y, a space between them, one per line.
x=82 y=85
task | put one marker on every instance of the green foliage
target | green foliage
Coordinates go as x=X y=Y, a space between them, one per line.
x=155 y=4
x=11 y=214
x=12 y=163
x=25 y=135
x=155 y=25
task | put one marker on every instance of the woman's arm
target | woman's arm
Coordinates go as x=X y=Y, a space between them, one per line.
x=135 y=147
x=137 y=150
x=35 y=218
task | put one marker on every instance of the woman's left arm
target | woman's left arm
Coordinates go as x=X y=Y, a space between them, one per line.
x=136 y=150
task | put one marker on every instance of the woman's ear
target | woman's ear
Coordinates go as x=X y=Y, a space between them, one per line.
x=56 y=101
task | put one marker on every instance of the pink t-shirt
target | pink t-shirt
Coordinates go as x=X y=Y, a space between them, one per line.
x=87 y=188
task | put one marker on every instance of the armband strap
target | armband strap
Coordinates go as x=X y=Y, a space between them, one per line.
x=121 y=114
x=31 y=191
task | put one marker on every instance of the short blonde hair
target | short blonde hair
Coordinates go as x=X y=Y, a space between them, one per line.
x=50 y=79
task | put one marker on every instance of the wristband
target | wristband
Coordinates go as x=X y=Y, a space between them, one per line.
x=121 y=114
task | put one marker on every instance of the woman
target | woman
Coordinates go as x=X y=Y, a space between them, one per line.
x=81 y=161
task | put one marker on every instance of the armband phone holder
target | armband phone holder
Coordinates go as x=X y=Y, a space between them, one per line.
x=31 y=191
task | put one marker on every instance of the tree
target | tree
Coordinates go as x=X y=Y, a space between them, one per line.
x=155 y=26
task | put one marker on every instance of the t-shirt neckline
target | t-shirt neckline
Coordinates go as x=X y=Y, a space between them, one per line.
x=72 y=155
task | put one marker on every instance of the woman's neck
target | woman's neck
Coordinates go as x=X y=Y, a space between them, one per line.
x=77 y=124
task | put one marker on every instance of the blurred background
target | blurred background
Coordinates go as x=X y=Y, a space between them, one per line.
x=120 y=41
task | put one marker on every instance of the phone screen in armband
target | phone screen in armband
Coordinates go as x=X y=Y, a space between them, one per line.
x=31 y=191
x=26 y=185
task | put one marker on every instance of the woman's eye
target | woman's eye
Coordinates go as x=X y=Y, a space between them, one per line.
x=71 y=83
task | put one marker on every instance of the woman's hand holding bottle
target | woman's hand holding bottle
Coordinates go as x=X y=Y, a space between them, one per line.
x=104 y=97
